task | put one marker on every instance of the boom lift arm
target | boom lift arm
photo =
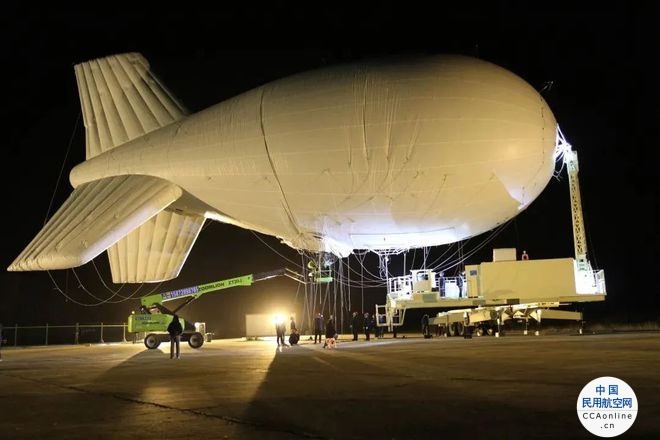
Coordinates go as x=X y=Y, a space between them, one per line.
x=150 y=302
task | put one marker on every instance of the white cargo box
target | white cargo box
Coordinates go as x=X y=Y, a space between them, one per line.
x=504 y=254
x=257 y=325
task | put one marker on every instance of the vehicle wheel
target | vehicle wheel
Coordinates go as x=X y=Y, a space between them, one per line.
x=196 y=340
x=151 y=341
x=480 y=331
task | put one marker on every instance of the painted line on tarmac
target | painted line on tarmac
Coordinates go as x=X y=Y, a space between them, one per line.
x=325 y=362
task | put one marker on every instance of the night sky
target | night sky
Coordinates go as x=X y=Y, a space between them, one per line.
x=596 y=58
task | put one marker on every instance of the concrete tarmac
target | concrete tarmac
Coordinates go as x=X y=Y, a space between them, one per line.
x=511 y=387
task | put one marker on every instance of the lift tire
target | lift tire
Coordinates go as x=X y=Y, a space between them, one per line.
x=151 y=341
x=196 y=340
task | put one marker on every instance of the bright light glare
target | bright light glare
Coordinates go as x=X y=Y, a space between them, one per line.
x=278 y=318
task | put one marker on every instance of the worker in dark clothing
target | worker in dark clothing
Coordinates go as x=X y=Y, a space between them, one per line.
x=319 y=326
x=425 y=326
x=467 y=329
x=374 y=325
x=441 y=283
x=330 y=333
x=355 y=325
x=175 y=329
x=382 y=321
x=280 y=330
x=367 y=325
x=459 y=283
x=294 y=336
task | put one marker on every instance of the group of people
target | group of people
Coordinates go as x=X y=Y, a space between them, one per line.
x=325 y=331
x=280 y=331
x=366 y=324
x=325 y=328
x=442 y=284
x=359 y=324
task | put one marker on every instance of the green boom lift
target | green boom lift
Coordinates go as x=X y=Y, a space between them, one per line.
x=153 y=317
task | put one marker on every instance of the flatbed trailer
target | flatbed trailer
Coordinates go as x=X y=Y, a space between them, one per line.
x=486 y=295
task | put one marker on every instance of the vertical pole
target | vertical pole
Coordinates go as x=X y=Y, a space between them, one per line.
x=350 y=299
x=102 y=333
x=362 y=286
x=341 y=295
x=123 y=330
x=46 y=334
x=308 y=306
x=15 y=335
x=76 y=336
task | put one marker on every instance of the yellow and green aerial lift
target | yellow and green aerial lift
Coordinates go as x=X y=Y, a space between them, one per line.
x=153 y=317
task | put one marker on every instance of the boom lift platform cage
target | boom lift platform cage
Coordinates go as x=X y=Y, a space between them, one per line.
x=487 y=295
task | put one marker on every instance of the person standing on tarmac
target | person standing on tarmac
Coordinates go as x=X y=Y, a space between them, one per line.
x=330 y=333
x=319 y=326
x=175 y=329
x=280 y=331
x=355 y=325
x=382 y=320
x=425 y=326
x=367 y=325
x=294 y=336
